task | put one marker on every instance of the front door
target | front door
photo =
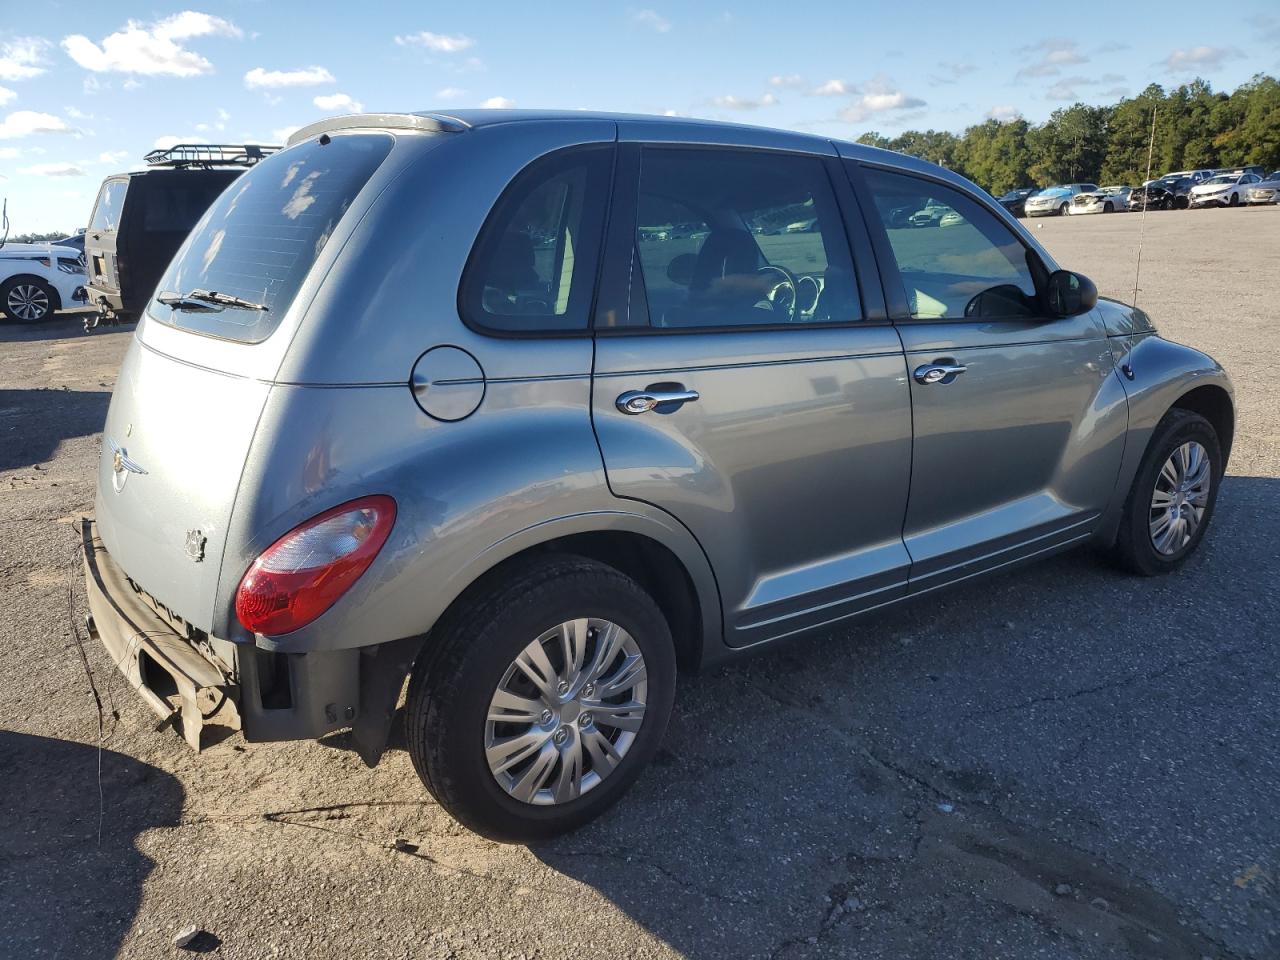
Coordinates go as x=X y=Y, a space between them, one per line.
x=1019 y=416
x=745 y=384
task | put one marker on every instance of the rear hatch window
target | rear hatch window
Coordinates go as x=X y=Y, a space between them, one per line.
x=106 y=213
x=260 y=238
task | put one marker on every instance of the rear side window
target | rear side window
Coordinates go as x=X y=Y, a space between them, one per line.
x=956 y=259
x=735 y=238
x=533 y=267
x=261 y=236
x=106 y=215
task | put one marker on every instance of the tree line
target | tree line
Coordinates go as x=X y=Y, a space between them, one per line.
x=1194 y=128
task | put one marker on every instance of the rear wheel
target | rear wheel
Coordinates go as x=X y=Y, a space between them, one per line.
x=542 y=698
x=27 y=299
x=1108 y=207
x=1235 y=200
x=1171 y=501
x=1063 y=210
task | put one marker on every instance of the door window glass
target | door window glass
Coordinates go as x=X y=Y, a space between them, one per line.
x=533 y=267
x=730 y=238
x=956 y=259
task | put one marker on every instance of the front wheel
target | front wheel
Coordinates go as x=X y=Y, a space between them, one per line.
x=27 y=300
x=1108 y=207
x=1235 y=200
x=1171 y=501
x=1063 y=210
x=541 y=698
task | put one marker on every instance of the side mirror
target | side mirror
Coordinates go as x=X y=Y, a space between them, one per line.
x=1070 y=293
x=681 y=269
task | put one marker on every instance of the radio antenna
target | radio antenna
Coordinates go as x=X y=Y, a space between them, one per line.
x=1146 y=202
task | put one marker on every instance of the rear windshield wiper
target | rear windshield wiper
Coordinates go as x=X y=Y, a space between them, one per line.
x=207 y=301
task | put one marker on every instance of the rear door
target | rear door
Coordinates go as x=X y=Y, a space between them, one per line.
x=101 y=236
x=1019 y=417
x=746 y=380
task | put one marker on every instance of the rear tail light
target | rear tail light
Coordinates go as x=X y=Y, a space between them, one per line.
x=302 y=574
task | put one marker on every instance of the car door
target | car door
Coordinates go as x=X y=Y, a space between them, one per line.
x=747 y=382
x=1019 y=416
x=102 y=234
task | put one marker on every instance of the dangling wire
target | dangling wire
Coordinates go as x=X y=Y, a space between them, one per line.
x=1146 y=202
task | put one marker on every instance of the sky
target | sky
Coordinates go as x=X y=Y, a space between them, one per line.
x=87 y=89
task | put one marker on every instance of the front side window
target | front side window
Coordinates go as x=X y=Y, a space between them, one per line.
x=533 y=266
x=956 y=259
x=732 y=238
x=106 y=215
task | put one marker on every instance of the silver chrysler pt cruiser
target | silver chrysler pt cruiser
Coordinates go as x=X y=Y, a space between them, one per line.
x=533 y=409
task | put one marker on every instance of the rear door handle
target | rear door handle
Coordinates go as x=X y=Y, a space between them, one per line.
x=943 y=371
x=642 y=401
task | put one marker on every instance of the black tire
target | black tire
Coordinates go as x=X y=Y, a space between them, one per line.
x=16 y=286
x=468 y=654
x=1235 y=200
x=1062 y=210
x=1108 y=207
x=1134 y=550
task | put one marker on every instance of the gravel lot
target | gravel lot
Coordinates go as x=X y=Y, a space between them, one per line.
x=1061 y=763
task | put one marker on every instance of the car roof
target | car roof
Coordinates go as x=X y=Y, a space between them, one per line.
x=749 y=135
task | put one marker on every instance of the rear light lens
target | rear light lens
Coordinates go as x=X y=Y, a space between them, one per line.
x=302 y=574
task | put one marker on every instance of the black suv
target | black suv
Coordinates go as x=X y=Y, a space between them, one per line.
x=140 y=220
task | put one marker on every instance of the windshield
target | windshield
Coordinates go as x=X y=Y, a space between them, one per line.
x=260 y=238
x=1222 y=179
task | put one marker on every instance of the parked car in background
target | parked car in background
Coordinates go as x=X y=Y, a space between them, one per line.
x=1264 y=191
x=574 y=460
x=1055 y=201
x=1167 y=193
x=1015 y=201
x=141 y=218
x=1256 y=169
x=1102 y=200
x=1224 y=190
x=37 y=279
x=75 y=242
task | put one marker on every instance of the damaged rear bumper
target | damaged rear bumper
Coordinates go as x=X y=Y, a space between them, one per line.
x=187 y=680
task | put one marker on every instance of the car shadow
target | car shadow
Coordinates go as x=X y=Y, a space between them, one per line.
x=63 y=325
x=943 y=774
x=64 y=892
x=34 y=422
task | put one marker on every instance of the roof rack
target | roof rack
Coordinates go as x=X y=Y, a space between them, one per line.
x=209 y=155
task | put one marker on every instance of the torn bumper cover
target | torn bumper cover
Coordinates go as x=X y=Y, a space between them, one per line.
x=159 y=663
x=273 y=696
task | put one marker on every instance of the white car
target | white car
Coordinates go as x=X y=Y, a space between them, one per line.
x=38 y=278
x=1102 y=200
x=1224 y=190
x=1056 y=200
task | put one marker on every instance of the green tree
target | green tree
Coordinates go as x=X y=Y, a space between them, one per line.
x=995 y=155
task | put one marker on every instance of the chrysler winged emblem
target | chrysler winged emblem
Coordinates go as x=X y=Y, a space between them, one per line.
x=121 y=465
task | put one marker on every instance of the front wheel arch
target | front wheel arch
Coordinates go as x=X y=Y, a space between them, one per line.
x=1214 y=404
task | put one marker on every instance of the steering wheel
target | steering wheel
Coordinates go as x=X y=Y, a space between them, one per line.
x=788 y=280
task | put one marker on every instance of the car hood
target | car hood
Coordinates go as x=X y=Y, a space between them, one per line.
x=1049 y=194
x=1201 y=188
x=43 y=249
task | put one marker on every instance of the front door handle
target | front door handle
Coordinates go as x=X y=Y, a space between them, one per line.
x=944 y=371
x=642 y=401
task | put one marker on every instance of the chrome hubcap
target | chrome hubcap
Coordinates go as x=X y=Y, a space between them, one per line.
x=566 y=711
x=1180 y=497
x=26 y=301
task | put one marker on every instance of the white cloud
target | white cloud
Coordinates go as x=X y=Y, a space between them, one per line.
x=258 y=78
x=1065 y=89
x=881 y=97
x=1200 y=58
x=338 y=101
x=151 y=49
x=788 y=81
x=113 y=156
x=169 y=140
x=22 y=57
x=499 y=103
x=1004 y=113
x=450 y=93
x=672 y=113
x=9 y=153
x=731 y=102
x=834 y=88
x=651 y=20
x=6 y=95
x=282 y=134
x=23 y=123
x=52 y=170
x=1051 y=56
x=437 y=42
